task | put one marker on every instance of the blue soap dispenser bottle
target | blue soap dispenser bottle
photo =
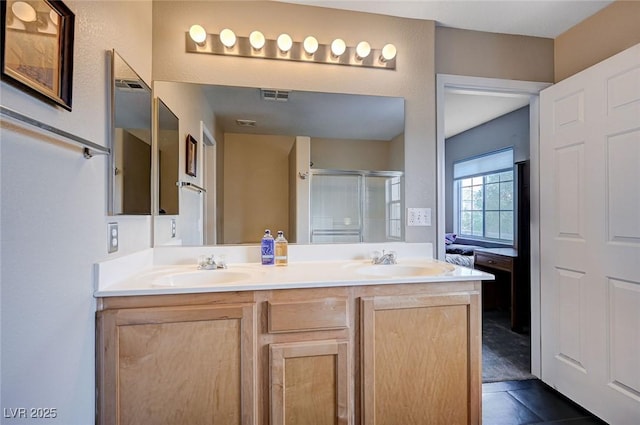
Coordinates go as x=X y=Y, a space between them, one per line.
x=267 y=249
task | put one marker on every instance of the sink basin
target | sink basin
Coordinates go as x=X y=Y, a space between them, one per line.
x=399 y=270
x=200 y=278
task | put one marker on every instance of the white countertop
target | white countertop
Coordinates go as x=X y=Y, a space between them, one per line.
x=183 y=279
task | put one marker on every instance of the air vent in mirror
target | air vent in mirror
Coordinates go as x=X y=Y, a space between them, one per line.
x=274 y=94
x=129 y=84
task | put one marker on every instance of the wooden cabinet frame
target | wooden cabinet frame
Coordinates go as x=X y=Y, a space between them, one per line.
x=368 y=308
x=279 y=353
x=109 y=323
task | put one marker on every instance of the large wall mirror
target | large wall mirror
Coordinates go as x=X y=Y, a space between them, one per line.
x=322 y=167
x=130 y=179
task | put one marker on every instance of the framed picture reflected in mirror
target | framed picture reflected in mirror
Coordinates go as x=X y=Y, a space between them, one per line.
x=191 y=155
x=37 y=48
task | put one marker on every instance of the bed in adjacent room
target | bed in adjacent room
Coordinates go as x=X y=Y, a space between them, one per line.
x=459 y=254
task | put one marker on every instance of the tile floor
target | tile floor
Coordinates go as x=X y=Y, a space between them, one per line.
x=506 y=355
x=530 y=402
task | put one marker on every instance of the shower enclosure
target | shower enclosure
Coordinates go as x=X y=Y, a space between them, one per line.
x=356 y=206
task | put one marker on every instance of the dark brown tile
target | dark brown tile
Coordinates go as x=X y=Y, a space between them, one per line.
x=548 y=404
x=579 y=421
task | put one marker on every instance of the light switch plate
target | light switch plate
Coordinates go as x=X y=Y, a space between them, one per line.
x=174 y=228
x=113 y=237
x=418 y=217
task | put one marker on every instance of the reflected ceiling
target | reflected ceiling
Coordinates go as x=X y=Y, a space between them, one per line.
x=313 y=114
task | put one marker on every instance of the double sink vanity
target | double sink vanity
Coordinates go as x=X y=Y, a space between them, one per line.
x=337 y=341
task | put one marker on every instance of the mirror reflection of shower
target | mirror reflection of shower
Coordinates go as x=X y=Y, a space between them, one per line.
x=356 y=206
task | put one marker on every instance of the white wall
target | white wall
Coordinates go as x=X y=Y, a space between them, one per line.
x=53 y=224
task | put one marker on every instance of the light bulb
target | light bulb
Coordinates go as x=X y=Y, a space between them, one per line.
x=338 y=47
x=228 y=38
x=23 y=11
x=362 y=50
x=310 y=45
x=256 y=38
x=197 y=34
x=285 y=42
x=54 y=17
x=388 y=53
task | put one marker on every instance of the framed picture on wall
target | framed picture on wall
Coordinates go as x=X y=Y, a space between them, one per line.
x=37 y=48
x=191 y=155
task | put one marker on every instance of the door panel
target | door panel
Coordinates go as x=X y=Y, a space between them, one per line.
x=309 y=383
x=590 y=237
x=434 y=337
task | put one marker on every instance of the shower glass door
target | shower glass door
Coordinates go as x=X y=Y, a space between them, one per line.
x=336 y=208
x=356 y=206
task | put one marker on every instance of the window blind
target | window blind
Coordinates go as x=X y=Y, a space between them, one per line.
x=501 y=160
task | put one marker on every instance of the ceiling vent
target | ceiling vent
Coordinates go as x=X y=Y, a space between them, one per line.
x=275 y=95
x=246 y=123
x=129 y=84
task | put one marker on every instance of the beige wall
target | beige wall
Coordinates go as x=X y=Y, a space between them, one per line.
x=413 y=78
x=610 y=31
x=337 y=154
x=256 y=186
x=396 y=153
x=484 y=54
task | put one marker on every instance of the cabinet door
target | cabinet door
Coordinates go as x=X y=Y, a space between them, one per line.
x=177 y=365
x=421 y=359
x=310 y=383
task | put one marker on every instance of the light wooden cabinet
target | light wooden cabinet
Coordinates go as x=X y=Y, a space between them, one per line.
x=374 y=355
x=421 y=359
x=177 y=365
x=309 y=334
x=310 y=383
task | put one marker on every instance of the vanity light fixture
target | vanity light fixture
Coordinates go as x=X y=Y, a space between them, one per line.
x=363 y=49
x=24 y=11
x=310 y=45
x=257 y=40
x=54 y=18
x=228 y=38
x=285 y=43
x=197 y=34
x=338 y=47
x=388 y=53
x=284 y=47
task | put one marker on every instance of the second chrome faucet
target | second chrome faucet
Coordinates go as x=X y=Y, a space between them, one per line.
x=386 y=257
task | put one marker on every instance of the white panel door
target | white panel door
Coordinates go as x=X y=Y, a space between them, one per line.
x=590 y=237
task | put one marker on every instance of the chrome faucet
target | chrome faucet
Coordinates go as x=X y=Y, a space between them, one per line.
x=211 y=263
x=386 y=258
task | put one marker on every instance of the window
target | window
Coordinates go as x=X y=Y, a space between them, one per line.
x=394 y=208
x=483 y=197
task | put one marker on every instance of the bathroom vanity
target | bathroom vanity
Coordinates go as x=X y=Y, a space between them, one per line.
x=312 y=343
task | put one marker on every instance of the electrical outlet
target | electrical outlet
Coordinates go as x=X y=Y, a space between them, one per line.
x=418 y=216
x=174 y=228
x=112 y=237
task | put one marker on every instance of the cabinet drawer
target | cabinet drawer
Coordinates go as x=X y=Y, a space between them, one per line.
x=494 y=261
x=312 y=315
